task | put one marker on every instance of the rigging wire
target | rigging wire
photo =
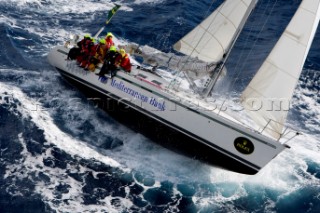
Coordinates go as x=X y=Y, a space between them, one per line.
x=240 y=63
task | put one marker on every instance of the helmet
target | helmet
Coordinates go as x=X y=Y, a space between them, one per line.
x=102 y=41
x=109 y=34
x=86 y=36
x=122 y=52
x=113 y=48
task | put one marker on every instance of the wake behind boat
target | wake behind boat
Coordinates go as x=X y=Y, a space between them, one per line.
x=190 y=113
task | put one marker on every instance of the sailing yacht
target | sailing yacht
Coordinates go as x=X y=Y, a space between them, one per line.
x=209 y=44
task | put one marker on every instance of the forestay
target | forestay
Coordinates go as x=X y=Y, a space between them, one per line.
x=212 y=38
x=268 y=95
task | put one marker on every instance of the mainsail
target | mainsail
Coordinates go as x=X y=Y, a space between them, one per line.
x=213 y=37
x=268 y=95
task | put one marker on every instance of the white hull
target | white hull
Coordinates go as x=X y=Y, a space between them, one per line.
x=225 y=136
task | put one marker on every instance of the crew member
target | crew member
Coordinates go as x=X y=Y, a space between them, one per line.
x=88 y=51
x=75 y=51
x=97 y=55
x=109 y=67
x=123 y=61
x=109 y=41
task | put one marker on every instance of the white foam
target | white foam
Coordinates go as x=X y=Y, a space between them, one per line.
x=311 y=110
x=7 y=20
x=158 y=163
x=64 y=6
x=57 y=176
x=52 y=133
x=285 y=174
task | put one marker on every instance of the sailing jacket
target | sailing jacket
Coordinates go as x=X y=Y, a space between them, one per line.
x=109 y=43
x=124 y=62
x=100 y=52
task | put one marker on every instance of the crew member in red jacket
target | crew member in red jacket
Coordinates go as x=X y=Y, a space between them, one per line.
x=109 y=41
x=89 y=51
x=123 y=61
x=85 y=51
x=76 y=51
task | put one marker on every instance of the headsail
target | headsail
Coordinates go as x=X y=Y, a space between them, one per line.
x=272 y=87
x=212 y=38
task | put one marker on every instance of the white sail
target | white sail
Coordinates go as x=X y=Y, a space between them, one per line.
x=268 y=95
x=212 y=38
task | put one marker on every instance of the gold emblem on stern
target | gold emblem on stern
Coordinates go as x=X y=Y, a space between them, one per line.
x=243 y=145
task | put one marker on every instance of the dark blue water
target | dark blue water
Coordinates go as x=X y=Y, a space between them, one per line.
x=61 y=153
